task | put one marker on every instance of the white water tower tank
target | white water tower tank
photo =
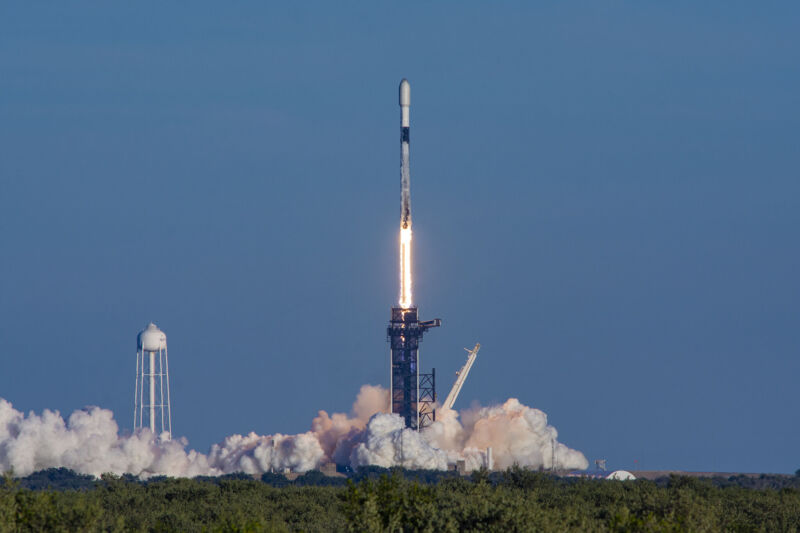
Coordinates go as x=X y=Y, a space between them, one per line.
x=152 y=339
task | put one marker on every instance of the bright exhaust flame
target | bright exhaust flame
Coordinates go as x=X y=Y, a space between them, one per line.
x=405 y=268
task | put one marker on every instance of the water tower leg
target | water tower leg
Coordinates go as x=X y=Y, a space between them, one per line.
x=169 y=409
x=153 y=392
x=136 y=392
x=161 y=387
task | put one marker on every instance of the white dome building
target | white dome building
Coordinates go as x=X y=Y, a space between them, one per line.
x=621 y=475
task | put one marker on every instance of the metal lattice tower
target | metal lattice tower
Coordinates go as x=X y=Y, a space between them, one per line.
x=412 y=394
x=151 y=407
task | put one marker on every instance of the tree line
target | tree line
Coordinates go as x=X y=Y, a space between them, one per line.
x=375 y=499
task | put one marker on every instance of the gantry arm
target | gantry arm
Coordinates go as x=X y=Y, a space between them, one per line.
x=462 y=377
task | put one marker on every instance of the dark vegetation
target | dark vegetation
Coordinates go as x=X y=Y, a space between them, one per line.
x=375 y=499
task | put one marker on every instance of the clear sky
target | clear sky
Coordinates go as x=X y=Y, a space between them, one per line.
x=605 y=195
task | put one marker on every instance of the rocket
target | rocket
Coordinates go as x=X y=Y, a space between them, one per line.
x=405 y=198
x=405 y=171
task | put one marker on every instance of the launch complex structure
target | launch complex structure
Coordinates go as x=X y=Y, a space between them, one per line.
x=413 y=394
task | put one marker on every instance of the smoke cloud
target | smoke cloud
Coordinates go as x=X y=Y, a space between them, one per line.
x=88 y=441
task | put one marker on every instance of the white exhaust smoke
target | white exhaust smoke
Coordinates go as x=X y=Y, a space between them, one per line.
x=89 y=442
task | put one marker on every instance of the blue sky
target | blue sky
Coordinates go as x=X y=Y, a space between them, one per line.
x=605 y=196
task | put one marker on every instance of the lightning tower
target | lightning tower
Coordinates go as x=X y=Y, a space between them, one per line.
x=412 y=393
x=151 y=406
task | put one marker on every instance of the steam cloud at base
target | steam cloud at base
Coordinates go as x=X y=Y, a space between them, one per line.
x=89 y=442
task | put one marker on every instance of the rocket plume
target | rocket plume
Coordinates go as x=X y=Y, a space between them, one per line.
x=89 y=442
x=405 y=268
x=405 y=196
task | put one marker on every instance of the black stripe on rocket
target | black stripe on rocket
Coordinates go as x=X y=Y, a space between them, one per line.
x=404 y=134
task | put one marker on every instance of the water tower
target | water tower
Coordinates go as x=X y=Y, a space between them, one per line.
x=151 y=399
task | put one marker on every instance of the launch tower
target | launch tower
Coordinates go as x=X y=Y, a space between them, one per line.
x=412 y=393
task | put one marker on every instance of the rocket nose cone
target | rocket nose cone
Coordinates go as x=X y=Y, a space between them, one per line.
x=405 y=93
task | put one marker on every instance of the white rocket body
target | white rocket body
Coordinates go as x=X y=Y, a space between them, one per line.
x=405 y=167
